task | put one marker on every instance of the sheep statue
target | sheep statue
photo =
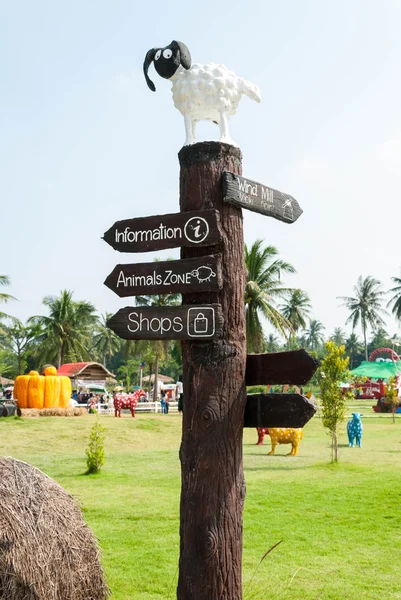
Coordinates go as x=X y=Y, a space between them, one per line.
x=200 y=92
x=355 y=430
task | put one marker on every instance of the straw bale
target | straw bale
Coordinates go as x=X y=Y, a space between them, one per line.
x=47 y=552
x=72 y=411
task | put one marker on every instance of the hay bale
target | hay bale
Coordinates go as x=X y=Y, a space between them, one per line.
x=72 y=411
x=47 y=552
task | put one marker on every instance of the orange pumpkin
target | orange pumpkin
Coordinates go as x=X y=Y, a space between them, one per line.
x=21 y=388
x=36 y=391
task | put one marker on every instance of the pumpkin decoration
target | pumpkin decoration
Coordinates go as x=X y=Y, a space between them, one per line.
x=38 y=391
x=21 y=388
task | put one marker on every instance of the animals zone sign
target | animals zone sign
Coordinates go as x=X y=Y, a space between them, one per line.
x=185 y=322
x=167 y=277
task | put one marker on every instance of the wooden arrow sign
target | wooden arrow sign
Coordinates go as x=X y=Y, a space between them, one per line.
x=167 y=277
x=195 y=228
x=278 y=410
x=260 y=198
x=195 y=323
x=293 y=367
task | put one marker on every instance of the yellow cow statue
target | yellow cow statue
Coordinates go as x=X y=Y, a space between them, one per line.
x=281 y=435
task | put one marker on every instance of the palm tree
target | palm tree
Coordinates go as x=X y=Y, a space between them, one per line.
x=338 y=336
x=352 y=346
x=314 y=335
x=67 y=329
x=296 y=309
x=160 y=347
x=366 y=306
x=105 y=342
x=272 y=343
x=4 y=280
x=396 y=299
x=262 y=289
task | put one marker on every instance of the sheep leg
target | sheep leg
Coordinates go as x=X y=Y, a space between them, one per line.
x=223 y=126
x=189 y=130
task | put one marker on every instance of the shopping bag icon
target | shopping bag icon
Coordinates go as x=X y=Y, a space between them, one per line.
x=201 y=322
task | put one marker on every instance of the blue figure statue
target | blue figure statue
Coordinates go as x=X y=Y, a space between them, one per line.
x=355 y=429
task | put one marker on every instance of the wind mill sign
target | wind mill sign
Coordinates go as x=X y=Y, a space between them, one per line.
x=211 y=321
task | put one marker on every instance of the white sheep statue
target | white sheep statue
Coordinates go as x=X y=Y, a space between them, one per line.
x=200 y=92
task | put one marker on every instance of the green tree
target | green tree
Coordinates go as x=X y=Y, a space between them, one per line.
x=395 y=301
x=4 y=280
x=296 y=310
x=338 y=336
x=380 y=339
x=314 y=334
x=19 y=338
x=353 y=347
x=67 y=329
x=366 y=306
x=334 y=370
x=272 y=343
x=105 y=342
x=262 y=290
x=128 y=372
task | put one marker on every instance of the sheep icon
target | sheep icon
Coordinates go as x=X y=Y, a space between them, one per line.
x=200 y=92
x=203 y=274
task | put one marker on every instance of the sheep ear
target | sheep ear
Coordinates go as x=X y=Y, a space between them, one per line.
x=185 y=55
x=148 y=60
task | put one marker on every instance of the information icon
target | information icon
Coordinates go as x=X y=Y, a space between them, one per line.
x=201 y=322
x=196 y=229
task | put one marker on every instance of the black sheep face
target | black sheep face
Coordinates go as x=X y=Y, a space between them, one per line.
x=166 y=61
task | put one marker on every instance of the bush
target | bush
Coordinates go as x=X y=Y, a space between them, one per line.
x=95 y=450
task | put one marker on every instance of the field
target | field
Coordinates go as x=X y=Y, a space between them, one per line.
x=340 y=525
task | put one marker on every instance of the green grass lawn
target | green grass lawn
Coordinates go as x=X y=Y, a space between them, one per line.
x=340 y=525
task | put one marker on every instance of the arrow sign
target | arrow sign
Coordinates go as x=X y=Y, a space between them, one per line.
x=195 y=323
x=167 y=277
x=195 y=228
x=293 y=367
x=278 y=410
x=260 y=198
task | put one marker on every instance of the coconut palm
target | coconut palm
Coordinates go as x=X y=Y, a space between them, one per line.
x=314 y=334
x=338 y=336
x=366 y=306
x=353 y=347
x=4 y=280
x=67 y=329
x=105 y=342
x=296 y=309
x=272 y=343
x=396 y=299
x=262 y=290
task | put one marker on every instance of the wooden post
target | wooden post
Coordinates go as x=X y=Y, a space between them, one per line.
x=213 y=486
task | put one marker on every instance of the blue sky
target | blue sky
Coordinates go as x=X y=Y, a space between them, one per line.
x=85 y=143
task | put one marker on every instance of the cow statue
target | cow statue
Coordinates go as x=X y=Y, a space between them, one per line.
x=281 y=435
x=355 y=430
x=128 y=401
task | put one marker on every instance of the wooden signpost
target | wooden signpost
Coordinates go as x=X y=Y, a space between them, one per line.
x=260 y=198
x=146 y=234
x=211 y=324
x=167 y=277
x=195 y=323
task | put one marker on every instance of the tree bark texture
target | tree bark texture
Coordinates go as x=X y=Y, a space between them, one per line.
x=213 y=486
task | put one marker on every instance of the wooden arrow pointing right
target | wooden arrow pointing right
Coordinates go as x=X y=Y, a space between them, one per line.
x=293 y=367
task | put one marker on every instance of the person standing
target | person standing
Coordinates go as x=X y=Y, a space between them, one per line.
x=166 y=399
x=163 y=401
x=180 y=394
